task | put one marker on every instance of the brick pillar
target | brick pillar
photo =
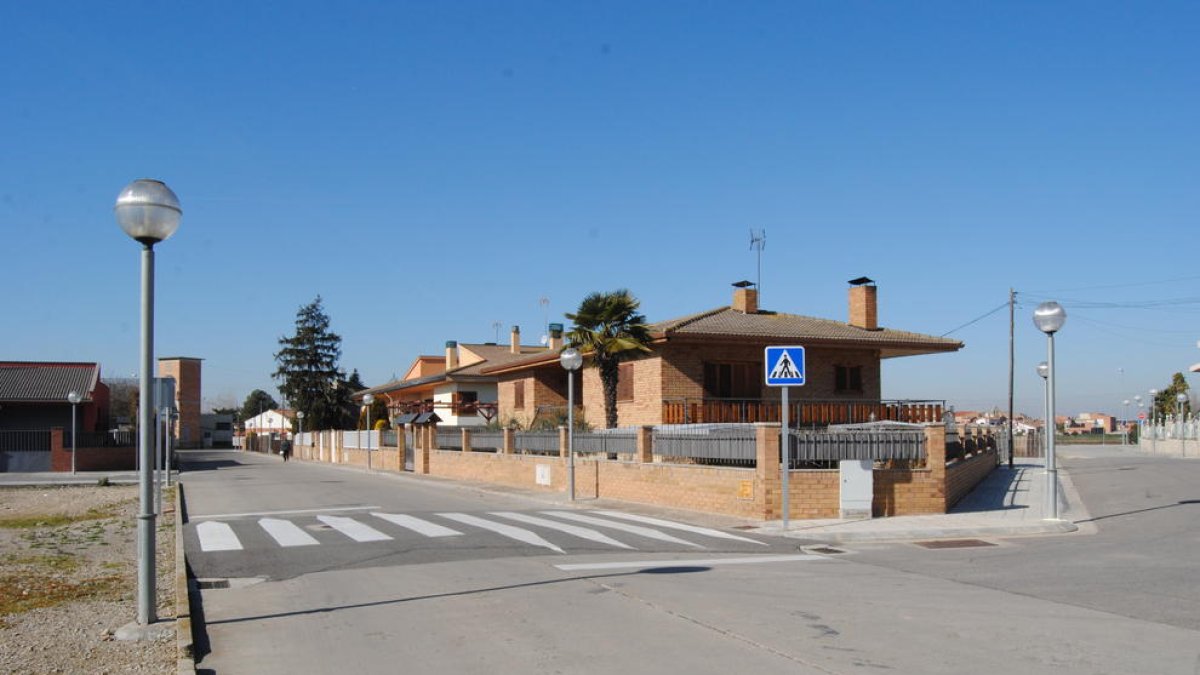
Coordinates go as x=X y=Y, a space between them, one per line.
x=431 y=436
x=768 y=497
x=935 y=459
x=562 y=442
x=510 y=441
x=466 y=440
x=645 y=445
x=60 y=457
x=420 y=451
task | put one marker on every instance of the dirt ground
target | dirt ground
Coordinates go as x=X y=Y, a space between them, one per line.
x=68 y=577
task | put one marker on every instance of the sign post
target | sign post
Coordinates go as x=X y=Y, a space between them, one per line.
x=784 y=368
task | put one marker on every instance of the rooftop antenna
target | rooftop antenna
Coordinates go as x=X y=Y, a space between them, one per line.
x=496 y=328
x=545 y=304
x=758 y=241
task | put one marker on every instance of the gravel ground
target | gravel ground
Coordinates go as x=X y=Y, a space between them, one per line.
x=68 y=576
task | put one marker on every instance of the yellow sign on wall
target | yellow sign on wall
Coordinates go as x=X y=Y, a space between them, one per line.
x=746 y=489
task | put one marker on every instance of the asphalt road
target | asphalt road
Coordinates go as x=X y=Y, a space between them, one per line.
x=481 y=602
x=1137 y=554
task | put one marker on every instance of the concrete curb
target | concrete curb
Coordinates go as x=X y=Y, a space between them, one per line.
x=185 y=648
x=919 y=533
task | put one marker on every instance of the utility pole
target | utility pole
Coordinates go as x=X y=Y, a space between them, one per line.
x=1012 y=296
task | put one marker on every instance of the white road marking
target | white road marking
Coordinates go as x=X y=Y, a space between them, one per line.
x=219 y=516
x=217 y=537
x=649 y=564
x=417 y=525
x=624 y=527
x=582 y=532
x=708 y=532
x=286 y=533
x=517 y=533
x=353 y=529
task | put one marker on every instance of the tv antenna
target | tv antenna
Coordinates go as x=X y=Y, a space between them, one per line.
x=545 y=304
x=758 y=241
x=496 y=328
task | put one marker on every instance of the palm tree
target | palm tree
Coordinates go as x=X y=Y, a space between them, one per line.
x=609 y=327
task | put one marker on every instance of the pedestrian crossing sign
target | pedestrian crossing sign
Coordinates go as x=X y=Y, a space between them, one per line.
x=784 y=366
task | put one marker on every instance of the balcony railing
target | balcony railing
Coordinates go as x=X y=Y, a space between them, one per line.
x=804 y=413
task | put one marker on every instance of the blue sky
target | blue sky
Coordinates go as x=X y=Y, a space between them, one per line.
x=431 y=168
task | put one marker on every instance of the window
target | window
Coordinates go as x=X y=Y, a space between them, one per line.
x=625 y=382
x=847 y=378
x=732 y=380
x=464 y=402
x=519 y=394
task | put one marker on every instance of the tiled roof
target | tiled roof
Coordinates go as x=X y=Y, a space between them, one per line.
x=493 y=355
x=727 y=322
x=40 y=382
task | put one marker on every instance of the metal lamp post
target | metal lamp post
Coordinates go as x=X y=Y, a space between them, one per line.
x=74 y=398
x=1153 y=428
x=300 y=416
x=148 y=212
x=367 y=401
x=1180 y=399
x=1049 y=318
x=1125 y=424
x=1043 y=371
x=571 y=360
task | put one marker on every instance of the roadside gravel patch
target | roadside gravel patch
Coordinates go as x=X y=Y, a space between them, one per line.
x=68 y=577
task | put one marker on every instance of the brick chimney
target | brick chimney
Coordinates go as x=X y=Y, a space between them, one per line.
x=745 y=298
x=451 y=355
x=864 y=308
x=514 y=344
x=556 y=336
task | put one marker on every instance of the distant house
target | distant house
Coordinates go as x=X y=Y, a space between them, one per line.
x=1090 y=423
x=33 y=396
x=454 y=385
x=271 y=422
x=216 y=430
x=708 y=367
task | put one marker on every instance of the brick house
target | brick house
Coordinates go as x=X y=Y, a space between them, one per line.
x=454 y=385
x=33 y=395
x=708 y=367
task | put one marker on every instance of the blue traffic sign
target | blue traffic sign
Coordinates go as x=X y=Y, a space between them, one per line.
x=784 y=366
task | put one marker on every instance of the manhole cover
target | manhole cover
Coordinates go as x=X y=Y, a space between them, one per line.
x=954 y=543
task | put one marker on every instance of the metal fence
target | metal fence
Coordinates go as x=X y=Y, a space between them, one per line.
x=25 y=441
x=484 y=441
x=101 y=439
x=817 y=446
x=449 y=439
x=537 y=442
x=388 y=438
x=610 y=443
x=721 y=446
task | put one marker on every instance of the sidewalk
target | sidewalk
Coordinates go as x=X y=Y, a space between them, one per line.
x=67 y=478
x=1008 y=503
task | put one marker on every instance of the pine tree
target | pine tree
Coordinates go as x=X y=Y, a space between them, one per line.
x=309 y=376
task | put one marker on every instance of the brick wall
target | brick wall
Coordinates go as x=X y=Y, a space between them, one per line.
x=89 y=459
x=753 y=493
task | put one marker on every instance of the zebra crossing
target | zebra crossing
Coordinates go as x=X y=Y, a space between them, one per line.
x=553 y=530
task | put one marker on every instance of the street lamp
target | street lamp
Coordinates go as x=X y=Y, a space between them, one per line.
x=74 y=398
x=300 y=416
x=1180 y=399
x=1153 y=427
x=148 y=212
x=1049 y=318
x=1043 y=372
x=571 y=360
x=1125 y=424
x=367 y=401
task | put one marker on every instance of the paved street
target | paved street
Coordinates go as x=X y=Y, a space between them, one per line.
x=314 y=569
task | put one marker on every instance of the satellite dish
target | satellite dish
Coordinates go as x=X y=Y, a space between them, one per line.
x=545 y=339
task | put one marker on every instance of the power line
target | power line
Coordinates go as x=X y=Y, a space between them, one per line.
x=1128 y=285
x=978 y=318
